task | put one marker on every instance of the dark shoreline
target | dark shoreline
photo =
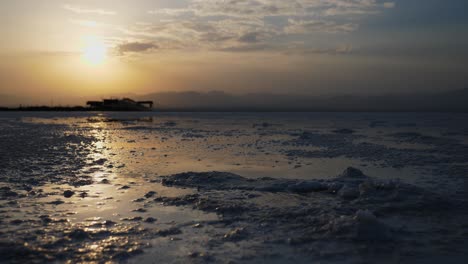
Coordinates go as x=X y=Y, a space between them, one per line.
x=65 y=109
x=224 y=110
x=45 y=108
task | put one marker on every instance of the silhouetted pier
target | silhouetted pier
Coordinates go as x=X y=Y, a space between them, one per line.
x=125 y=104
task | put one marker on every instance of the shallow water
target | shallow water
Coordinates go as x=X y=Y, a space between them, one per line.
x=113 y=162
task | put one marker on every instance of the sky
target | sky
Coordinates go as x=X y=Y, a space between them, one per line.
x=60 y=48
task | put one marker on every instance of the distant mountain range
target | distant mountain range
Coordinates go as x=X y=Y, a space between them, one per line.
x=220 y=101
x=456 y=100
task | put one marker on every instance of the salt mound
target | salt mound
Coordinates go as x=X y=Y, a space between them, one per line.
x=363 y=227
x=352 y=185
x=351 y=172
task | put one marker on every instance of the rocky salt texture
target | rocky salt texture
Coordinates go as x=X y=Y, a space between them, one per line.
x=437 y=156
x=34 y=154
x=352 y=218
x=441 y=151
x=88 y=189
x=36 y=230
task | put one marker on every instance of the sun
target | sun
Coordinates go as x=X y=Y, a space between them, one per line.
x=95 y=51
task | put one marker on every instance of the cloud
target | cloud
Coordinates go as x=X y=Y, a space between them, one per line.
x=201 y=34
x=247 y=25
x=252 y=37
x=271 y=8
x=350 y=7
x=243 y=8
x=309 y=26
x=247 y=48
x=79 y=10
x=170 y=12
x=134 y=47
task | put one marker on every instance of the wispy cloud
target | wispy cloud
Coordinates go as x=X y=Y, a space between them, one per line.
x=271 y=8
x=170 y=11
x=308 y=26
x=136 y=47
x=80 y=10
x=249 y=25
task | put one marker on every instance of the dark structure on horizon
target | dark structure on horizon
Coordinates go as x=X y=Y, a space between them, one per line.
x=445 y=101
x=125 y=104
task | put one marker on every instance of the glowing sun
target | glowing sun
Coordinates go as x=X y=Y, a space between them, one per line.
x=95 y=51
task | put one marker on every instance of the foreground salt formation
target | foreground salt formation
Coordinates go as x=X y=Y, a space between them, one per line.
x=352 y=217
x=91 y=190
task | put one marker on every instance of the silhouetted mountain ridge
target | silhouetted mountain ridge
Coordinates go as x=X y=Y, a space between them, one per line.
x=442 y=101
x=454 y=100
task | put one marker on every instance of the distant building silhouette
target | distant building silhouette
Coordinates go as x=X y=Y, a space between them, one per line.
x=125 y=104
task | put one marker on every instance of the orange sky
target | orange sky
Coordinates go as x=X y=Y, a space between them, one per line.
x=55 y=48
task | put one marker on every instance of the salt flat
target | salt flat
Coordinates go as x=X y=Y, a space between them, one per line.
x=233 y=187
